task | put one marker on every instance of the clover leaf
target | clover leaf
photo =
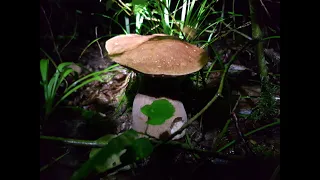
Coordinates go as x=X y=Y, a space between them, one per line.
x=158 y=112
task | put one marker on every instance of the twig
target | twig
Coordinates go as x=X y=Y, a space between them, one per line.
x=242 y=137
x=225 y=128
x=124 y=7
x=265 y=8
x=96 y=32
x=49 y=25
x=236 y=122
x=236 y=31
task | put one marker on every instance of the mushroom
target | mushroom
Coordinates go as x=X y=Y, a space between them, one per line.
x=161 y=58
x=157 y=54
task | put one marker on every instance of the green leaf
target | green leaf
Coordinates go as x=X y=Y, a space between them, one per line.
x=108 y=156
x=110 y=161
x=139 y=2
x=109 y=4
x=142 y=147
x=64 y=74
x=271 y=37
x=44 y=70
x=234 y=14
x=158 y=112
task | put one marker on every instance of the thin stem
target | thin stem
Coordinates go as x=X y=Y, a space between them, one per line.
x=76 y=142
x=236 y=31
x=50 y=58
x=257 y=34
x=95 y=144
x=240 y=134
x=234 y=21
x=72 y=37
x=49 y=26
x=275 y=173
x=96 y=33
x=249 y=133
x=222 y=15
x=56 y=160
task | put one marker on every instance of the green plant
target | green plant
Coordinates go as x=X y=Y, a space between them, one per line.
x=119 y=150
x=158 y=112
x=267 y=106
x=157 y=16
x=52 y=84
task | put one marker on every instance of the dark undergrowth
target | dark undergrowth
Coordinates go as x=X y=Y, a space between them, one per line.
x=232 y=103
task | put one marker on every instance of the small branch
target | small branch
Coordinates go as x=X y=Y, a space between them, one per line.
x=265 y=8
x=124 y=7
x=236 y=31
x=240 y=134
x=234 y=117
x=96 y=32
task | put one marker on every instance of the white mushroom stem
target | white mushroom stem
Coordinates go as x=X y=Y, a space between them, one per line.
x=163 y=131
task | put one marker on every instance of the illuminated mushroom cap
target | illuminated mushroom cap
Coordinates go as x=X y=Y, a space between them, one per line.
x=157 y=54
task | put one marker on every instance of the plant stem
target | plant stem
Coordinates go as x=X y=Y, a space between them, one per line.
x=249 y=133
x=53 y=40
x=77 y=142
x=57 y=159
x=94 y=144
x=258 y=35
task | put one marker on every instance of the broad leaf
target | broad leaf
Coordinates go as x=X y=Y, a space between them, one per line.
x=158 y=112
x=108 y=156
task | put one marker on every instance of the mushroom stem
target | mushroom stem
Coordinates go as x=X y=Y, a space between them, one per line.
x=164 y=130
x=157 y=86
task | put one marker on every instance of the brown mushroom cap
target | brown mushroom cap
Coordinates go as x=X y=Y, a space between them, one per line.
x=157 y=54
